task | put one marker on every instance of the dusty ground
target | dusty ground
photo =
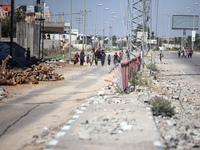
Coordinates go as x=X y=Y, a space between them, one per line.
x=36 y=137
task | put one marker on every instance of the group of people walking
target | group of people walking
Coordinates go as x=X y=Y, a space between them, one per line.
x=97 y=56
x=185 y=53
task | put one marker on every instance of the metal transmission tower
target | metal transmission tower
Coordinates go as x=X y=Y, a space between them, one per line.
x=141 y=25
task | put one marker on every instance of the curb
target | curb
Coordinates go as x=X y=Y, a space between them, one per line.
x=66 y=127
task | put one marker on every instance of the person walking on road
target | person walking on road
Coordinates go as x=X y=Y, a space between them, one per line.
x=188 y=53
x=183 y=53
x=96 y=60
x=179 y=53
x=127 y=55
x=116 y=57
x=91 y=57
x=191 y=52
x=76 y=57
x=102 y=59
x=161 y=56
x=109 y=59
x=82 y=56
x=88 y=58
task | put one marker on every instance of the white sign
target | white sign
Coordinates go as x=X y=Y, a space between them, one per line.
x=152 y=41
x=140 y=36
x=193 y=35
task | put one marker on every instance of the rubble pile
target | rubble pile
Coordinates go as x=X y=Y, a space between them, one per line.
x=41 y=72
x=182 y=131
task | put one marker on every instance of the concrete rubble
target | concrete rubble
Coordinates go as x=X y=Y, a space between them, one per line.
x=182 y=131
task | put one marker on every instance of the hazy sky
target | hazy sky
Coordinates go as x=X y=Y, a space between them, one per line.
x=166 y=9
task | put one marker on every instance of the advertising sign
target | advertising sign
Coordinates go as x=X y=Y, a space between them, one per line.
x=185 y=22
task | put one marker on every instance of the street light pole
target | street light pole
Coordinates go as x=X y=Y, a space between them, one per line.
x=43 y=30
x=70 y=38
x=193 y=32
x=95 y=24
x=110 y=30
x=11 y=35
x=84 y=25
x=103 y=28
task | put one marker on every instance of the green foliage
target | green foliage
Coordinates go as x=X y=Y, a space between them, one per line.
x=152 y=67
x=140 y=80
x=161 y=106
x=6 y=23
x=118 y=89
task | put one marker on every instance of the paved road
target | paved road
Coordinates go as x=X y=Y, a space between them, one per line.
x=21 y=114
x=188 y=67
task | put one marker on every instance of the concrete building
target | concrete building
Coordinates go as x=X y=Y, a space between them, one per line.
x=5 y=10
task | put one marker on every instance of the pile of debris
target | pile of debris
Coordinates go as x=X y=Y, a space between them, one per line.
x=42 y=72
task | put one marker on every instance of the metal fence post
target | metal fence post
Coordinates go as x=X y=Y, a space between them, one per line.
x=121 y=79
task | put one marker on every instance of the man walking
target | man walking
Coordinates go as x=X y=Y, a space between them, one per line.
x=91 y=57
x=82 y=56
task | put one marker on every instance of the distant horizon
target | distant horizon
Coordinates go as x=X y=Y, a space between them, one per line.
x=166 y=9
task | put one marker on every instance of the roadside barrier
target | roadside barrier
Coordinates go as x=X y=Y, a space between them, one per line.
x=128 y=70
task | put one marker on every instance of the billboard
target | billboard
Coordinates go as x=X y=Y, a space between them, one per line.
x=185 y=22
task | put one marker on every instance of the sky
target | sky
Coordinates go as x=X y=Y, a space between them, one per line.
x=166 y=9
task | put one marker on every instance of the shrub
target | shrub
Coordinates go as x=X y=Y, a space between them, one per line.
x=161 y=106
x=140 y=80
x=152 y=67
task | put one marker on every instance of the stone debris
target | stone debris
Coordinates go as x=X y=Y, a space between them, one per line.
x=182 y=131
x=84 y=135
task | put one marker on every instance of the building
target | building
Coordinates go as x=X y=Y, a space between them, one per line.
x=5 y=10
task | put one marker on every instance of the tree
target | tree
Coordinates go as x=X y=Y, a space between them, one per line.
x=19 y=16
x=114 y=39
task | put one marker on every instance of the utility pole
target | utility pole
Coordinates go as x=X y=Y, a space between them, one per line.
x=70 y=38
x=84 y=26
x=140 y=20
x=86 y=31
x=11 y=35
x=43 y=31
x=103 y=28
x=79 y=21
x=95 y=20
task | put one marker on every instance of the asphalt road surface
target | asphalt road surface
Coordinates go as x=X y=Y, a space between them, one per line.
x=25 y=116
x=189 y=67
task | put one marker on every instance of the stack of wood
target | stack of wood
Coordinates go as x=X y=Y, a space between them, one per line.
x=31 y=75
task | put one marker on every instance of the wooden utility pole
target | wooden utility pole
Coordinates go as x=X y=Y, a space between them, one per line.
x=11 y=34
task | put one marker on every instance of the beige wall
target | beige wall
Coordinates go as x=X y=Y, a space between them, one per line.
x=59 y=37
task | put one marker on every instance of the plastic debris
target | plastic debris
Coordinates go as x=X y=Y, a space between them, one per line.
x=3 y=93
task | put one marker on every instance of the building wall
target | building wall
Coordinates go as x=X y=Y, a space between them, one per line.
x=0 y=31
x=28 y=37
x=60 y=37
x=51 y=44
x=6 y=7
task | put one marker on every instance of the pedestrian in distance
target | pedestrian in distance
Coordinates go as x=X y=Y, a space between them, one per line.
x=188 y=53
x=127 y=55
x=183 y=53
x=82 y=56
x=191 y=52
x=179 y=53
x=161 y=56
x=76 y=58
x=92 y=57
x=96 y=60
x=109 y=59
x=120 y=57
x=102 y=59
x=116 y=57
x=88 y=58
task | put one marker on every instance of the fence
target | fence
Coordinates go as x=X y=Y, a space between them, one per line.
x=127 y=70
